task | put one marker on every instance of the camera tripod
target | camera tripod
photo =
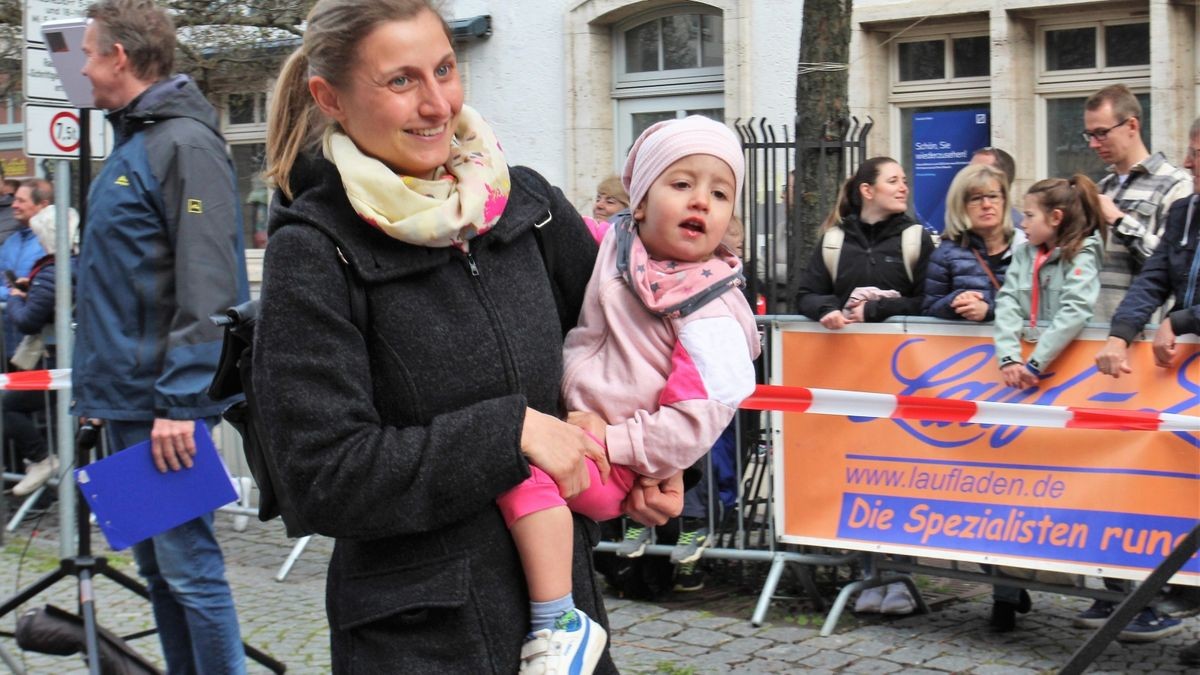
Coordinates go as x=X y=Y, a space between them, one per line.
x=85 y=567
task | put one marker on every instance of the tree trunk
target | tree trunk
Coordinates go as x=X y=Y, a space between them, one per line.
x=821 y=115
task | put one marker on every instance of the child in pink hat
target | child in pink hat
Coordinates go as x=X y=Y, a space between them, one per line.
x=655 y=370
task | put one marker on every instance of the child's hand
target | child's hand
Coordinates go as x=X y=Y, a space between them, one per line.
x=1016 y=376
x=589 y=422
x=597 y=429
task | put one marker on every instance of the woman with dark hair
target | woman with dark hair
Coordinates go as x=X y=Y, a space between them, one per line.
x=396 y=439
x=868 y=266
x=870 y=262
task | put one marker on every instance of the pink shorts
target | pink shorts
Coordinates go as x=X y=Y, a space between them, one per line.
x=601 y=501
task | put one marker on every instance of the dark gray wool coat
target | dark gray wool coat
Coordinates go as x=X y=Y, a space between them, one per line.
x=398 y=444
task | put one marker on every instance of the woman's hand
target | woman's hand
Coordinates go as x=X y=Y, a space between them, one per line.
x=1016 y=376
x=858 y=312
x=597 y=428
x=559 y=449
x=835 y=320
x=970 y=305
x=653 y=502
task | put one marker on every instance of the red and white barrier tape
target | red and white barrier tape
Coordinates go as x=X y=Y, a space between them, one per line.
x=853 y=403
x=36 y=380
x=928 y=408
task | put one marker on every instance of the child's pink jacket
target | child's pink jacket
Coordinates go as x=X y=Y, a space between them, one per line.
x=667 y=385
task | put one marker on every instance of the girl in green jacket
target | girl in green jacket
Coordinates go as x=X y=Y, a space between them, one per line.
x=1054 y=278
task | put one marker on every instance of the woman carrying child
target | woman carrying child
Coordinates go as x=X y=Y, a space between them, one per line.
x=396 y=437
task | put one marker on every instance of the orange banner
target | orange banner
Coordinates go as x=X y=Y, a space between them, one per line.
x=1069 y=500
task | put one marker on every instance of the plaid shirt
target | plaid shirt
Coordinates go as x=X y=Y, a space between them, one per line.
x=1151 y=187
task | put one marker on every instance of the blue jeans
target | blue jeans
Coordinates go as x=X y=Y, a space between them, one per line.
x=185 y=572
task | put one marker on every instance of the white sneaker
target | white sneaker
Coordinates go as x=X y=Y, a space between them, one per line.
x=36 y=475
x=869 y=601
x=898 y=600
x=573 y=647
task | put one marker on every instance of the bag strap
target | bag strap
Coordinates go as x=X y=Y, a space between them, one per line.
x=831 y=249
x=986 y=268
x=910 y=247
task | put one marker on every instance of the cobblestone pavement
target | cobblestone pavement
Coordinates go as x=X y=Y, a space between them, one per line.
x=674 y=636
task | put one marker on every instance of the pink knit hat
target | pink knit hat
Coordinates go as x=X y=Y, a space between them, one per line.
x=667 y=142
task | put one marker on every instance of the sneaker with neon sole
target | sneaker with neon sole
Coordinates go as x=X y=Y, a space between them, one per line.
x=635 y=541
x=690 y=546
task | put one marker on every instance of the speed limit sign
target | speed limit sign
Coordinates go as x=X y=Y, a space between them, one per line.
x=52 y=131
x=64 y=131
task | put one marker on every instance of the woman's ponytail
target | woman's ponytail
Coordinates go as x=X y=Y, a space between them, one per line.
x=293 y=121
x=1089 y=202
x=1079 y=201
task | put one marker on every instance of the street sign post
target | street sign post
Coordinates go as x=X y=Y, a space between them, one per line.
x=38 y=12
x=51 y=131
x=41 y=79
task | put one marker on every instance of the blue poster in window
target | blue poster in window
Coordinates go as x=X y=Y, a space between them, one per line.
x=943 y=143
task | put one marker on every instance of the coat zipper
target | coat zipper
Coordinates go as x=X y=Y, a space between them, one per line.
x=505 y=348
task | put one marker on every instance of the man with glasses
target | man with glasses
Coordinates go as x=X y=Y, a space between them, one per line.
x=1135 y=194
x=1151 y=187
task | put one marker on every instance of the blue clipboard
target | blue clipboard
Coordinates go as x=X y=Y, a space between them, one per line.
x=133 y=501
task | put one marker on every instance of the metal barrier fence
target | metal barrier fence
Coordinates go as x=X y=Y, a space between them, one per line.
x=746 y=532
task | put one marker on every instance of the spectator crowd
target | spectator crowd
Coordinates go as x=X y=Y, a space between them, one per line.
x=457 y=238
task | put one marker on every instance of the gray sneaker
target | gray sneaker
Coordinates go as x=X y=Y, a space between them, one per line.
x=634 y=543
x=690 y=546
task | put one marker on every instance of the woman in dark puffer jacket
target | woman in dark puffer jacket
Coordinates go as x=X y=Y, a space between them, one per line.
x=967 y=270
x=964 y=274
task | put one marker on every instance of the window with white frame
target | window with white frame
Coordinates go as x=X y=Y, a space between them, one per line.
x=1075 y=59
x=245 y=116
x=953 y=59
x=668 y=63
x=939 y=77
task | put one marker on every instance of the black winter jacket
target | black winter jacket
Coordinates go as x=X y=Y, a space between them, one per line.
x=953 y=268
x=398 y=442
x=871 y=256
x=1166 y=273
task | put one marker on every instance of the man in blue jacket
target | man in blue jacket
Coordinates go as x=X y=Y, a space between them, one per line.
x=162 y=251
x=21 y=250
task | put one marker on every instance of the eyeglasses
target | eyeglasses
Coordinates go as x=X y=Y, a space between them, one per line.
x=1102 y=134
x=993 y=197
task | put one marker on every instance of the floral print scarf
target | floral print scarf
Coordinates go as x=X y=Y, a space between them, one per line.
x=462 y=200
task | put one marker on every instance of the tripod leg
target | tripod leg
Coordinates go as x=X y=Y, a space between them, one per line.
x=9 y=661
x=122 y=579
x=37 y=587
x=292 y=558
x=87 y=608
